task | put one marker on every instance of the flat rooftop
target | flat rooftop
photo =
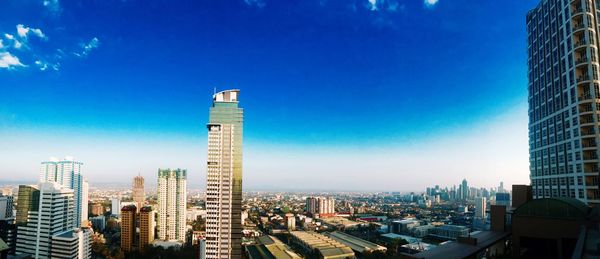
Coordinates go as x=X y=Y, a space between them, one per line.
x=455 y=249
x=357 y=244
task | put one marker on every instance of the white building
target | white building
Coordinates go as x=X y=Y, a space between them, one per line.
x=480 y=206
x=115 y=206
x=67 y=172
x=171 y=204
x=224 y=177
x=72 y=244
x=56 y=205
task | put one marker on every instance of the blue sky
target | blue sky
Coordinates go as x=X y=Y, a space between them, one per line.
x=373 y=95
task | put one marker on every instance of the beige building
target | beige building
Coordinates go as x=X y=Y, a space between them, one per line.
x=146 y=227
x=320 y=246
x=128 y=227
x=137 y=192
x=171 y=204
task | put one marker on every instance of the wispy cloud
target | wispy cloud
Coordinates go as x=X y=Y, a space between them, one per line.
x=86 y=48
x=24 y=31
x=384 y=5
x=1 y=44
x=430 y=3
x=53 y=6
x=257 y=3
x=9 y=61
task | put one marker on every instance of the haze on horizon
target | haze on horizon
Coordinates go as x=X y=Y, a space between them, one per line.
x=337 y=95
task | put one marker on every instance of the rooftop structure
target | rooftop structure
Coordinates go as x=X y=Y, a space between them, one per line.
x=321 y=246
x=357 y=244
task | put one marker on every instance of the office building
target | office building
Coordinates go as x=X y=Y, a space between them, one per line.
x=564 y=93
x=96 y=209
x=67 y=173
x=224 y=177
x=464 y=190
x=8 y=233
x=55 y=204
x=146 y=227
x=171 y=204
x=29 y=198
x=72 y=244
x=138 y=194
x=6 y=207
x=115 y=206
x=98 y=223
x=503 y=199
x=480 y=206
x=128 y=214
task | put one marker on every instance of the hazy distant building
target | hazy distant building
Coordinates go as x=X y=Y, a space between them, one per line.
x=480 y=206
x=320 y=205
x=171 y=204
x=224 y=177
x=67 y=173
x=54 y=204
x=564 y=88
x=115 y=206
x=503 y=199
x=138 y=192
x=464 y=190
x=98 y=223
x=96 y=209
x=312 y=205
x=72 y=244
x=146 y=227
x=128 y=214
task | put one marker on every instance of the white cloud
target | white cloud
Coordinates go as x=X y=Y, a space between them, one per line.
x=372 y=5
x=257 y=3
x=9 y=36
x=9 y=61
x=430 y=3
x=42 y=65
x=24 y=31
x=17 y=44
x=1 y=44
x=88 y=47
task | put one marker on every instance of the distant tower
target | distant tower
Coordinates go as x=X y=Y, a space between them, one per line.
x=464 y=188
x=171 y=204
x=128 y=227
x=224 y=177
x=312 y=205
x=67 y=173
x=138 y=193
x=480 y=206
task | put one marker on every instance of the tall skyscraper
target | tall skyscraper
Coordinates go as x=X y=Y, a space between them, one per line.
x=67 y=173
x=115 y=206
x=53 y=212
x=171 y=204
x=312 y=205
x=138 y=193
x=480 y=206
x=564 y=99
x=146 y=227
x=326 y=205
x=464 y=190
x=224 y=177
x=6 y=207
x=73 y=244
x=128 y=227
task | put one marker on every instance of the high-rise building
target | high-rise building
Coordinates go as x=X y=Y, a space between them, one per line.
x=6 y=207
x=96 y=209
x=224 y=177
x=115 y=206
x=464 y=190
x=128 y=227
x=326 y=205
x=564 y=99
x=73 y=244
x=67 y=173
x=171 y=204
x=29 y=200
x=146 y=227
x=53 y=212
x=290 y=221
x=312 y=205
x=480 y=206
x=138 y=193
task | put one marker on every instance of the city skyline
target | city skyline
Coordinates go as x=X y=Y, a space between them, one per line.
x=319 y=102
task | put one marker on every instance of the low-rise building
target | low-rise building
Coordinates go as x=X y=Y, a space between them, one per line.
x=356 y=244
x=319 y=246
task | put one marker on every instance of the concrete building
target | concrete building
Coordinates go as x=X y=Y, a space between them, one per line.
x=270 y=247
x=480 y=206
x=171 y=204
x=115 y=206
x=68 y=173
x=312 y=205
x=319 y=246
x=224 y=177
x=449 y=231
x=290 y=221
x=54 y=203
x=72 y=244
x=563 y=99
x=324 y=206
x=137 y=192
x=146 y=227
x=96 y=209
x=8 y=233
x=128 y=219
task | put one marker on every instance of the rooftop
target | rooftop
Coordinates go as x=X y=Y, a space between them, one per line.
x=357 y=244
x=455 y=249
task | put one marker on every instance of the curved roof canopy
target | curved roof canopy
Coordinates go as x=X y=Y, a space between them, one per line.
x=553 y=208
